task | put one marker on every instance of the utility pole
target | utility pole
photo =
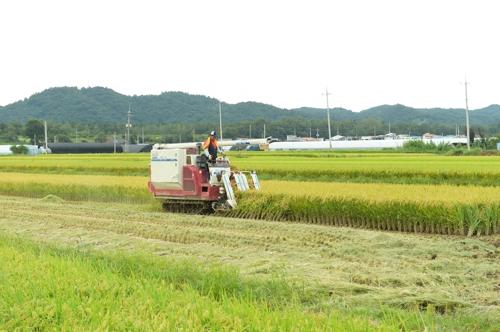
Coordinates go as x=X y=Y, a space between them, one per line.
x=114 y=142
x=220 y=120
x=46 y=138
x=76 y=135
x=264 y=130
x=128 y=125
x=250 y=131
x=389 y=127
x=142 y=132
x=467 y=114
x=328 y=115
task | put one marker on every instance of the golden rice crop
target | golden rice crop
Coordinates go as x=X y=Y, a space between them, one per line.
x=131 y=189
x=442 y=209
x=420 y=208
x=80 y=179
x=311 y=166
x=79 y=164
x=381 y=192
x=392 y=215
x=373 y=167
x=368 y=162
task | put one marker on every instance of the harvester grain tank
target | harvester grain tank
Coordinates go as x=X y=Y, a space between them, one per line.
x=186 y=181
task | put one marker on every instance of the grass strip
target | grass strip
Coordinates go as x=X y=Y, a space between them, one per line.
x=47 y=287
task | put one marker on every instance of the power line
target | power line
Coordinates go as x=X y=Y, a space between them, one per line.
x=328 y=115
x=128 y=125
x=467 y=114
x=220 y=120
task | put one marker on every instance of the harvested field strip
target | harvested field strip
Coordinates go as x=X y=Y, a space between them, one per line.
x=452 y=280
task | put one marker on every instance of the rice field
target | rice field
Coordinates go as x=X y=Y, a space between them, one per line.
x=334 y=241
x=394 y=162
x=93 y=266
x=373 y=192
x=376 y=192
x=312 y=166
x=443 y=209
x=373 y=167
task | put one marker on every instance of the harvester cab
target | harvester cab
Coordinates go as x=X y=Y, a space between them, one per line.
x=186 y=181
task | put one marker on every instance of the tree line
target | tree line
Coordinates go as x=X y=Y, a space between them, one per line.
x=32 y=132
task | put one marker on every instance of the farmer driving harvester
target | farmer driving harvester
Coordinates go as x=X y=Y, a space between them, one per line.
x=211 y=147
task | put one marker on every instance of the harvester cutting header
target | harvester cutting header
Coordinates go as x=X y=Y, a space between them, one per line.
x=192 y=177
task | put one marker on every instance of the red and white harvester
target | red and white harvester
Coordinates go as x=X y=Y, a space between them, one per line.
x=185 y=181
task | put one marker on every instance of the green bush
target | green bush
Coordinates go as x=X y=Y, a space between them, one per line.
x=473 y=152
x=19 y=149
x=420 y=146
x=455 y=152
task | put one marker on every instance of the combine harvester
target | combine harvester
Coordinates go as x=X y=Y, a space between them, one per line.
x=185 y=181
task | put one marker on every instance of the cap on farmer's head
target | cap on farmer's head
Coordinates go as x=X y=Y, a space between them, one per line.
x=212 y=133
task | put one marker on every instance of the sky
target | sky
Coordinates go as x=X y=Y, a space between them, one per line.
x=285 y=53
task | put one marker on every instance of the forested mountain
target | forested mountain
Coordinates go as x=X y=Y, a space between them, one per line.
x=104 y=106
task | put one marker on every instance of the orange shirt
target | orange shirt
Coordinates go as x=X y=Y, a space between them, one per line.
x=210 y=141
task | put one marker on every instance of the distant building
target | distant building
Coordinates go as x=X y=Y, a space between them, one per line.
x=295 y=138
x=371 y=138
x=338 y=138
